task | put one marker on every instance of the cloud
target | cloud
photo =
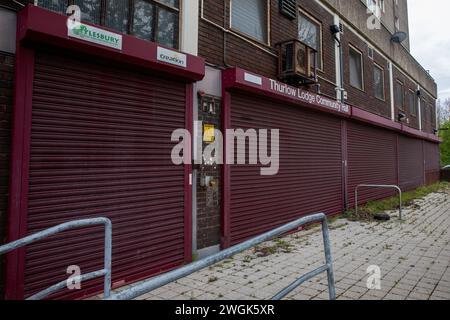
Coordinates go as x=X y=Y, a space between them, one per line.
x=430 y=41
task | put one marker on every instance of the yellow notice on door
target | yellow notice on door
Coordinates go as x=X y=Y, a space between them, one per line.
x=208 y=133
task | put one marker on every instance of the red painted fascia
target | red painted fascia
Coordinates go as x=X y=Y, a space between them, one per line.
x=234 y=78
x=376 y=120
x=44 y=26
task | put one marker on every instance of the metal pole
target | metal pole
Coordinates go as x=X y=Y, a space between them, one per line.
x=379 y=186
x=106 y=272
x=159 y=281
x=108 y=259
x=329 y=260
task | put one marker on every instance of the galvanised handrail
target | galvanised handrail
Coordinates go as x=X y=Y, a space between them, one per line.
x=105 y=272
x=378 y=186
x=164 y=279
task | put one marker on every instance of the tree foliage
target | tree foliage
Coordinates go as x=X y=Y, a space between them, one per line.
x=444 y=123
x=445 y=146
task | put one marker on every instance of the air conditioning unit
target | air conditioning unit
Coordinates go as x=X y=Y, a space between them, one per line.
x=297 y=63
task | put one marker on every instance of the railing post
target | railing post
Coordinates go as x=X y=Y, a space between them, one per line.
x=108 y=259
x=379 y=186
x=328 y=260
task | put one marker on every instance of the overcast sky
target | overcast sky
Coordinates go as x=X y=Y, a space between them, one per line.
x=430 y=39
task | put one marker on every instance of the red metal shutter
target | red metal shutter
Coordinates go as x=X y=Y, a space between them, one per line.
x=432 y=162
x=310 y=175
x=372 y=159
x=101 y=146
x=411 y=163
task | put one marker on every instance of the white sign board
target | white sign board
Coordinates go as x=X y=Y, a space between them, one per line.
x=96 y=35
x=172 y=57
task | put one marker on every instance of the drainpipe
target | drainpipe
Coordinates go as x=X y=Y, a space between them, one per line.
x=391 y=83
x=339 y=62
x=419 y=111
x=225 y=34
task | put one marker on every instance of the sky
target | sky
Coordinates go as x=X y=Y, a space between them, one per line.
x=430 y=39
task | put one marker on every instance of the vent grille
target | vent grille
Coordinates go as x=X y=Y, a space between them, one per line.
x=288 y=8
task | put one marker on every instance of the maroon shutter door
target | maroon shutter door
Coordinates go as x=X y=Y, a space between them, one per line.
x=432 y=162
x=101 y=146
x=411 y=163
x=372 y=159
x=310 y=174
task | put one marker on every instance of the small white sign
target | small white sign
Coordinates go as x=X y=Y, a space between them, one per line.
x=172 y=57
x=96 y=35
x=253 y=79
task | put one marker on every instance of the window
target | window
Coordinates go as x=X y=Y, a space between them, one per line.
x=399 y=96
x=310 y=33
x=412 y=103
x=423 y=106
x=250 y=17
x=153 y=20
x=156 y=22
x=378 y=82
x=356 y=69
x=90 y=10
x=117 y=15
x=54 y=5
x=431 y=114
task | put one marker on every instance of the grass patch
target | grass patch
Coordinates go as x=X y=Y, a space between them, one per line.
x=279 y=246
x=366 y=212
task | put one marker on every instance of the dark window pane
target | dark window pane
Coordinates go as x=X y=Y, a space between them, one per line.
x=309 y=33
x=167 y=28
x=90 y=10
x=143 y=20
x=378 y=79
x=356 y=76
x=171 y=3
x=54 y=5
x=117 y=15
x=399 y=96
x=250 y=17
x=412 y=103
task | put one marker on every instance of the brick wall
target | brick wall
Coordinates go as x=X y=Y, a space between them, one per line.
x=365 y=99
x=6 y=88
x=263 y=60
x=408 y=85
x=209 y=210
x=428 y=106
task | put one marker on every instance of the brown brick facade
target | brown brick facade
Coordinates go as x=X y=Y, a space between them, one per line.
x=263 y=58
x=6 y=93
x=259 y=57
x=365 y=99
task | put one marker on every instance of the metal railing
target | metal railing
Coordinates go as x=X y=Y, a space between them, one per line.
x=105 y=272
x=164 y=279
x=379 y=186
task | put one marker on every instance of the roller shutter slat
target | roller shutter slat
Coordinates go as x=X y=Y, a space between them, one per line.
x=371 y=160
x=309 y=179
x=101 y=147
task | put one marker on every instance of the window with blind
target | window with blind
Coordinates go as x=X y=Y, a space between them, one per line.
x=378 y=82
x=399 y=96
x=310 y=33
x=153 y=20
x=412 y=103
x=356 y=69
x=250 y=17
